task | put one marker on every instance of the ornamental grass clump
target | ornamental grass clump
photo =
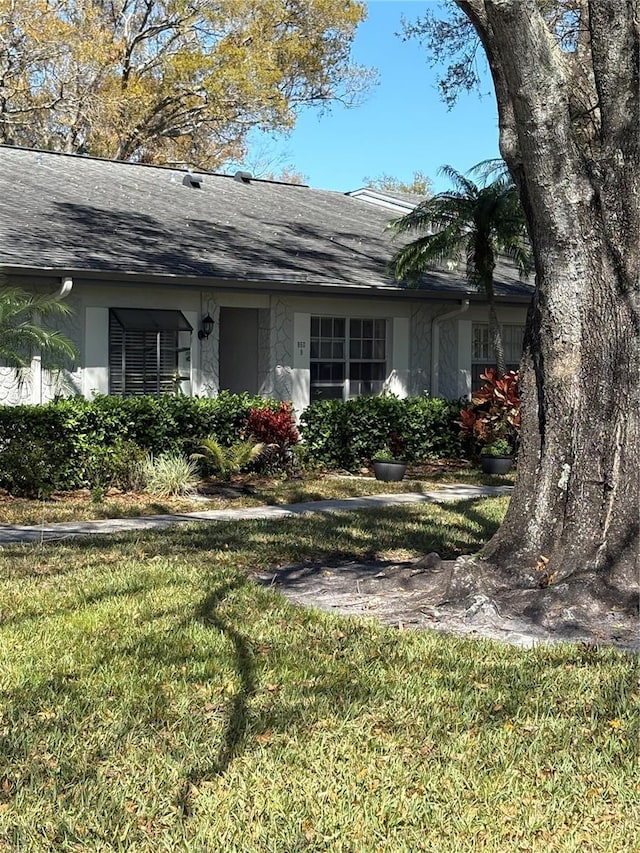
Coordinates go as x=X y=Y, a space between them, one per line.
x=169 y=474
x=492 y=419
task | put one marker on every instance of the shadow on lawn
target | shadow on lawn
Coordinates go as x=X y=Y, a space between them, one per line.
x=255 y=545
x=344 y=670
x=207 y=613
x=488 y=690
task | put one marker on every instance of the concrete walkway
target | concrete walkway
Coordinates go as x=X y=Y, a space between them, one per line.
x=12 y=534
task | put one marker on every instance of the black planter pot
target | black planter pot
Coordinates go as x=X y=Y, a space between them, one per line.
x=496 y=464
x=389 y=472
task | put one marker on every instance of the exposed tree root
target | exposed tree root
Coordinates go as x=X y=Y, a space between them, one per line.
x=467 y=596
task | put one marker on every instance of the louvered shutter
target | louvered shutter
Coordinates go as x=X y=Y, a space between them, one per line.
x=143 y=361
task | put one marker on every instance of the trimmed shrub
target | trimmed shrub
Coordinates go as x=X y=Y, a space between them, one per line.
x=75 y=442
x=348 y=434
x=29 y=469
x=114 y=465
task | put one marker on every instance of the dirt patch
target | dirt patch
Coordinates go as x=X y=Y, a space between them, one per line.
x=418 y=595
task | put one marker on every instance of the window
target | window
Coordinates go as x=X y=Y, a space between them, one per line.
x=149 y=351
x=482 y=351
x=348 y=357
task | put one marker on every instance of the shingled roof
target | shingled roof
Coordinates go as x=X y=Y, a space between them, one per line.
x=87 y=216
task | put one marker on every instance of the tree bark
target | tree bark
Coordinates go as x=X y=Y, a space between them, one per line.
x=575 y=508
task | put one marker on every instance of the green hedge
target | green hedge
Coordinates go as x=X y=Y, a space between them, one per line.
x=347 y=434
x=74 y=442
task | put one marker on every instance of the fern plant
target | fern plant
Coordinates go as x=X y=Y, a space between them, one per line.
x=225 y=461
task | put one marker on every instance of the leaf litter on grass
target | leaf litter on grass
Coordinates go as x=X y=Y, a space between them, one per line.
x=153 y=699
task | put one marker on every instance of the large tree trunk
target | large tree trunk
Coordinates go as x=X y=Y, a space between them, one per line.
x=575 y=508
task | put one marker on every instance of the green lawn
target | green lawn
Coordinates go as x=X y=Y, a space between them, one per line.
x=155 y=699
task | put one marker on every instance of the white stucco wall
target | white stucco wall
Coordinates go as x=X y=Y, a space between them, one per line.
x=282 y=348
x=93 y=317
x=291 y=336
x=449 y=360
x=455 y=347
x=420 y=347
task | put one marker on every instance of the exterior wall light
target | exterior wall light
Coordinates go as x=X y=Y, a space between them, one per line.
x=207 y=327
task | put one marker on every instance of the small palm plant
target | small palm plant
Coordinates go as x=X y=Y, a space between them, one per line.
x=21 y=332
x=225 y=461
x=480 y=222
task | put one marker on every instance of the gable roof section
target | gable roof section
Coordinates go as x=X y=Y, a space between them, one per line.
x=85 y=216
x=398 y=204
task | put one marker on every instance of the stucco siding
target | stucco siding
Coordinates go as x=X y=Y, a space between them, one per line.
x=420 y=349
x=282 y=348
x=448 y=360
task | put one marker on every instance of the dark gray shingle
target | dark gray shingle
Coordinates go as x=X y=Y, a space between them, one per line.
x=83 y=214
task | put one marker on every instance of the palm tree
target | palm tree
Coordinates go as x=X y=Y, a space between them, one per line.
x=481 y=221
x=21 y=332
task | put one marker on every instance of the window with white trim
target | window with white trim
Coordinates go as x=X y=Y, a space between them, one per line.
x=482 y=351
x=348 y=357
x=149 y=351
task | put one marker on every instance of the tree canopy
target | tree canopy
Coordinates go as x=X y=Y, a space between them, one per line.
x=420 y=184
x=170 y=80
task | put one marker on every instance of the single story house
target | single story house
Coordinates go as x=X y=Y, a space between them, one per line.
x=205 y=282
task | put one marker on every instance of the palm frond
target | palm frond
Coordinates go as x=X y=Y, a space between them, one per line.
x=242 y=453
x=465 y=186
x=445 y=210
x=212 y=451
x=43 y=303
x=228 y=460
x=11 y=357
x=481 y=221
x=418 y=256
x=21 y=332
x=495 y=166
x=521 y=256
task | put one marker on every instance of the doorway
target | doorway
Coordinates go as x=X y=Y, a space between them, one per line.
x=239 y=350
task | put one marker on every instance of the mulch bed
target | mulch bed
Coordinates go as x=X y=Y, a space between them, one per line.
x=414 y=595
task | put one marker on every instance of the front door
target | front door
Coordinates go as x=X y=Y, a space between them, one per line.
x=239 y=350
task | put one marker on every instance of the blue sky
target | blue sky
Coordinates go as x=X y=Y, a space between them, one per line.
x=402 y=127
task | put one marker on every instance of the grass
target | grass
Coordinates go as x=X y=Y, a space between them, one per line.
x=154 y=699
x=78 y=506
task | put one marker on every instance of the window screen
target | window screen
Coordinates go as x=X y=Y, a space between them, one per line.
x=482 y=350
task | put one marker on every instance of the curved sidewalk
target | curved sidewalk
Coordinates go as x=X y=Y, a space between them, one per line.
x=13 y=534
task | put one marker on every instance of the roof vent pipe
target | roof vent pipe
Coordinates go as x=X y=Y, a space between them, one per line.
x=243 y=177
x=191 y=180
x=65 y=287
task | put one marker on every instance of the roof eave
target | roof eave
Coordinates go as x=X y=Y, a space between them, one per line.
x=287 y=283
